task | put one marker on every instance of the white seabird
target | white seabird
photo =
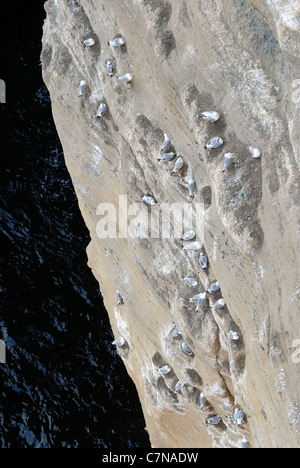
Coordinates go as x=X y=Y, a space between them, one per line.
x=214 y=143
x=178 y=386
x=82 y=87
x=109 y=68
x=166 y=157
x=166 y=144
x=101 y=110
x=228 y=159
x=165 y=369
x=201 y=301
x=244 y=443
x=234 y=335
x=178 y=165
x=176 y=331
x=189 y=235
x=255 y=153
x=191 y=186
x=192 y=246
x=117 y=42
x=119 y=298
x=149 y=200
x=219 y=304
x=203 y=260
x=211 y=116
x=238 y=417
x=186 y=349
x=125 y=78
x=119 y=342
x=202 y=400
x=213 y=288
x=195 y=298
x=191 y=282
x=214 y=420
x=89 y=42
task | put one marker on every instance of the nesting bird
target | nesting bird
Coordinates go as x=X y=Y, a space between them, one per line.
x=82 y=87
x=120 y=342
x=178 y=386
x=117 y=42
x=186 y=349
x=213 y=288
x=211 y=116
x=101 y=110
x=166 y=144
x=125 y=78
x=176 y=331
x=165 y=369
x=191 y=282
x=148 y=200
x=202 y=400
x=195 y=298
x=89 y=42
x=238 y=417
x=167 y=157
x=234 y=335
x=219 y=304
x=255 y=153
x=203 y=260
x=214 y=143
x=213 y=420
x=228 y=159
x=119 y=298
x=189 y=235
x=191 y=186
x=178 y=165
x=109 y=68
x=201 y=301
x=192 y=246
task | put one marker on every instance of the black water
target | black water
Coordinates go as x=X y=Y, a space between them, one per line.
x=63 y=384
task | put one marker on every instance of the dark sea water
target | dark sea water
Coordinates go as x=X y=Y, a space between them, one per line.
x=63 y=384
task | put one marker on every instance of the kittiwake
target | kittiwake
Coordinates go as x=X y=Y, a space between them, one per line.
x=189 y=235
x=214 y=143
x=117 y=42
x=228 y=159
x=255 y=153
x=211 y=116
x=191 y=282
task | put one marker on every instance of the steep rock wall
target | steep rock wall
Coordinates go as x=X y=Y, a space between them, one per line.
x=240 y=58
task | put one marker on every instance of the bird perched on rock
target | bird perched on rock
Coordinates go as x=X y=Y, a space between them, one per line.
x=120 y=342
x=189 y=235
x=148 y=200
x=178 y=386
x=166 y=144
x=191 y=282
x=214 y=420
x=165 y=369
x=178 y=165
x=176 y=331
x=186 y=349
x=202 y=400
x=213 y=288
x=255 y=153
x=203 y=260
x=89 y=42
x=214 y=143
x=238 y=417
x=228 y=159
x=117 y=42
x=219 y=304
x=244 y=443
x=201 y=301
x=101 y=110
x=109 y=68
x=191 y=186
x=192 y=246
x=125 y=78
x=119 y=298
x=211 y=116
x=167 y=157
x=234 y=335
x=82 y=87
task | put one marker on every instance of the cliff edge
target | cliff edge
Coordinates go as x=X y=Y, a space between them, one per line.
x=241 y=59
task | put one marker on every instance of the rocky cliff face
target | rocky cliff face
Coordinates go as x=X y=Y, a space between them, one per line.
x=240 y=58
